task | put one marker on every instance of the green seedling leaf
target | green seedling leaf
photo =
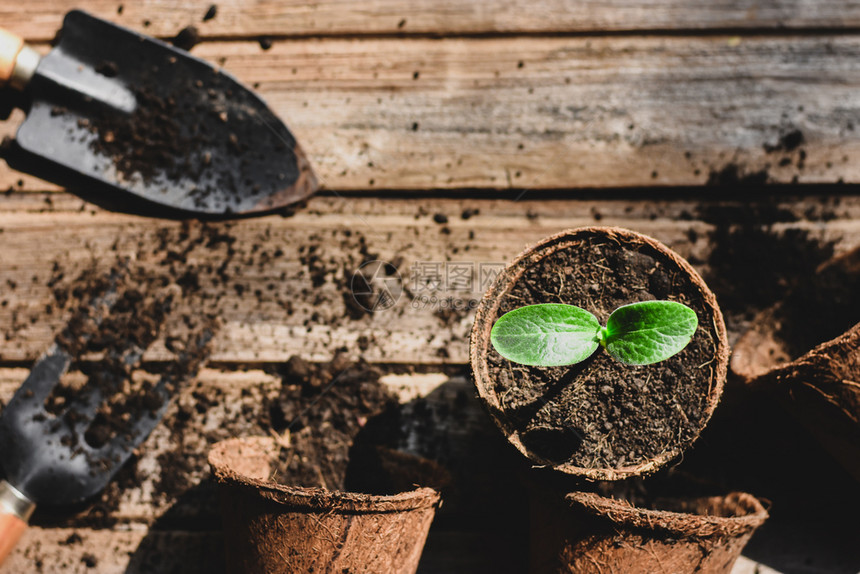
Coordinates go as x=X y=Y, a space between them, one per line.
x=648 y=332
x=546 y=335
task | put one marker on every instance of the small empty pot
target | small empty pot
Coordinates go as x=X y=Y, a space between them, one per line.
x=270 y=527
x=805 y=350
x=587 y=533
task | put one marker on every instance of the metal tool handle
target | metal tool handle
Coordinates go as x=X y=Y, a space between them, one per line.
x=18 y=61
x=15 y=511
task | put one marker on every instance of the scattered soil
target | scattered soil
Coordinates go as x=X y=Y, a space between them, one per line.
x=152 y=142
x=365 y=282
x=266 y=43
x=732 y=175
x=155 y=122
x=601 y=413
x=187 y=38
x=192 y=129
x=754 y=262
x=788 y=142
x=107 y=69
x=323 y=407
x=166 y=293
x=820 y=307
x=74 y=538
x=115 y=318
x=89 y=560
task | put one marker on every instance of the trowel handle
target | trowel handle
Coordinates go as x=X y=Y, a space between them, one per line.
x=18 y=61
x=15 y=511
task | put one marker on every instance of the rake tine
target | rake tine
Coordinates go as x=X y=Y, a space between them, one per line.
x=43 y=376
x=148 y=419
x=54 y=363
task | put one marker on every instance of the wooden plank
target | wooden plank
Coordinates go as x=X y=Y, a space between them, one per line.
x=272 y=307
x=234 y=398
x=166 y=484
x=156 y=535
x=216 y=406
x=140 y=552
x=561 y=113
x=136 y=551
x=220 y=405
x=239 y=18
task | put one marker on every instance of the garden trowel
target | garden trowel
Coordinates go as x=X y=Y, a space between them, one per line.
x=137 y=125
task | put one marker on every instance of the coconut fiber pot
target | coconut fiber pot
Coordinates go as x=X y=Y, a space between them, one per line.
x=272 y=528
x=805 y=350
x=600 y=419
x=587 y=533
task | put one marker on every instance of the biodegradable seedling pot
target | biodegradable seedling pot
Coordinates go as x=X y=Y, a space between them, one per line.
x=270 y=527
x=587 y=533
x=601 y=419
x=806 y=350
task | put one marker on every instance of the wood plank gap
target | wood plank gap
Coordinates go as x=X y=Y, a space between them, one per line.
x=739 y=31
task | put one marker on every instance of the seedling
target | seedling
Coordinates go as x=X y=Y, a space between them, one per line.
x=553 y=334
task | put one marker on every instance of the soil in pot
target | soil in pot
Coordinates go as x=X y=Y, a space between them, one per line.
x=321 y=412
x=600 y=418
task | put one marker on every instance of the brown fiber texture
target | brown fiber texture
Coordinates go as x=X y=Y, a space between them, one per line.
x=586 y=533
x=697 y=373
x=272 y=528
x=820 y=385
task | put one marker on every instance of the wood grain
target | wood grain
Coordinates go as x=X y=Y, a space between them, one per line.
x=234 y=402
x=271 y=307
x=135 y=551
x=432 y=100
x=236 y=18
x=560 y=113
x=154 y=530
x=139 y=552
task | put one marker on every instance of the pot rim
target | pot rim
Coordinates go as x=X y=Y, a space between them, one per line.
x=743 y=363
x=681 y=524
x=786 y=370
x=488 y=307
x=310 y=499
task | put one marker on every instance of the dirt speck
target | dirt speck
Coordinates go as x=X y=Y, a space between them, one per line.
x=265 y=42
x=788 y=142
x=734 y=175
x=107 y=69
x=187 y=38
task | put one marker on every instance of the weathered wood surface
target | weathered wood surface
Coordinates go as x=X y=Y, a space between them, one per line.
x=271 y=307
x=139 y=552
x=236 y=18
x=83 y=550
x=158 y=535
x=514 y=96
x=557 y=112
